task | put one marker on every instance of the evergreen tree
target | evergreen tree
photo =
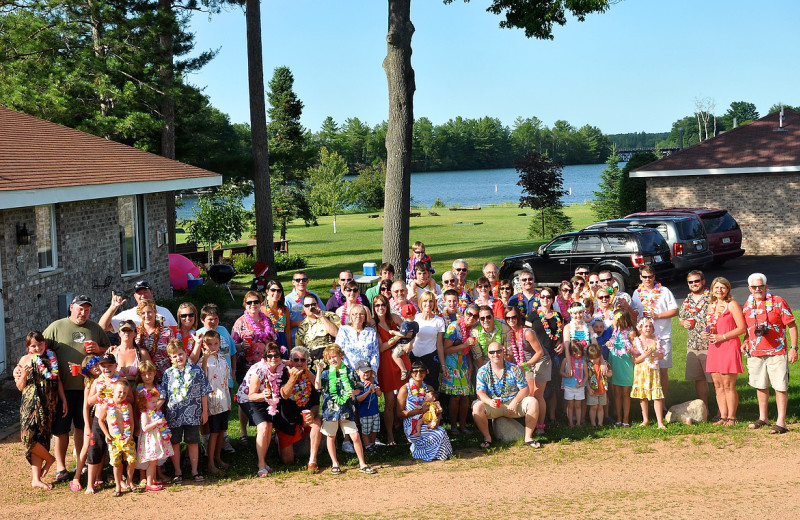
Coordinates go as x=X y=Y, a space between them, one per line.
x=606 y=203
x=542 y=185
x=633 y=192
x=548 y=222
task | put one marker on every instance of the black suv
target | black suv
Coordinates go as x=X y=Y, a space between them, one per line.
x=620 y=250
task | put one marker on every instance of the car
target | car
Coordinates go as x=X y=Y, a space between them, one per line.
x=724 y=234
x=620 y=250
x=685 y=235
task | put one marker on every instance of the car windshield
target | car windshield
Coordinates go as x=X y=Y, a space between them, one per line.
x=720 y=223
x=689 y=229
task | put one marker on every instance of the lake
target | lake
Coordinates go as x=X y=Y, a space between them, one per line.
x=473 y=187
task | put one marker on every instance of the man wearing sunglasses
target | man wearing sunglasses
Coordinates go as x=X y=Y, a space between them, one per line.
x=294 y=300
x=318 y=330
x=653 y=300
x=338 y=298
x=491 y=272
x=464 y=288
x=692 y=316
x=503 y=392
x=618 y=298
x=528 y=299
x=386 y=272
x=142 y=290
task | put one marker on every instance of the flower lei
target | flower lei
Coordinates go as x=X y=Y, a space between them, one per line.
x=517 y=345
x=190 y=342
x=333 y=377
x=163 y=430
x=413 y=389
x=277 y=318
x=621 y=343
x=712 y=317
x=125 y=411
x=142 y=337
x=302 y=390
x=104 y=388
x=50 y=373
x=274 y=381
x=769 y=303
x=465 y=331
x=649 y=297
x=535 y=303
x=504 y=378
x=577 y=369
x=546 y=324
x=484 y=340
x=179 y=386
x=260 y=334
x=693 y=308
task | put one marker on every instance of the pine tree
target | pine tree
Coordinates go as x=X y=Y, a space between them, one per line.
x=606 y=203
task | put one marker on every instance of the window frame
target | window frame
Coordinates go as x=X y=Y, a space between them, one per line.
x=53 y=238
x=140 y=242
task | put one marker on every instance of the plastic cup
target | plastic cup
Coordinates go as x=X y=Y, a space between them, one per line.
x=86 y=345
x=691 y=323
x=497 y=402
x=306 y=415
x=75 y=369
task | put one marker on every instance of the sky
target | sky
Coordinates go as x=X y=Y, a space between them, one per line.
x=638 y=67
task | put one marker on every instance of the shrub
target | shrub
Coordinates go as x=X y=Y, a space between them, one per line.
x=438 y=203
x=208 y=292
x=243 y=263
x=285 y=262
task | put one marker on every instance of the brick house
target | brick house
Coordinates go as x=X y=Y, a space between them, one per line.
x=79 y=215
x=753 y=171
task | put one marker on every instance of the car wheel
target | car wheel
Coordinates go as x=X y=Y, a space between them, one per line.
x=620 y=281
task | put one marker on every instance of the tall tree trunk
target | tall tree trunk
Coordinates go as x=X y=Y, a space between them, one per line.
x=99 y=53
x=400 y=77
x=166 y=73
x=258 y=129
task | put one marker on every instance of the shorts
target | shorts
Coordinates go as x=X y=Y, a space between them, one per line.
x=574 y=394
x=97 y=444
x=666 y=343
x=398 y=351
x=329 y=428
x=370 y=424
x=766 y=370
x=189 y=433
x=503 y=411
x=256 y=412
x=119 y=452
x=542 y=371
x=285 y=440
x=696 y=366
x=62 y=425
x=218 y=422
x=597 y=400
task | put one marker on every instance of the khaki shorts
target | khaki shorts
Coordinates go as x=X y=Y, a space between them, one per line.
x=766 y=370
x=329 y=428
x=696 y=366
x=494 y=413
x=597 y=400
x=667 y=361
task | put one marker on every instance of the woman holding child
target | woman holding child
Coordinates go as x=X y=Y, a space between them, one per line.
x=153 y=336
x=388 y=372
x=414 y=399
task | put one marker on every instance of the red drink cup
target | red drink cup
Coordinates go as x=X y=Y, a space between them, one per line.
x=306 y=415
x=86 y=345
x=497 y=402
x=691 y=323
x=75 y=369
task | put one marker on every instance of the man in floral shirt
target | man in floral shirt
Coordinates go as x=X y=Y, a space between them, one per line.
x=768 y=317
x=692 y=315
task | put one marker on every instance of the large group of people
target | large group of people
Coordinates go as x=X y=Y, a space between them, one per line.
x=300 y=368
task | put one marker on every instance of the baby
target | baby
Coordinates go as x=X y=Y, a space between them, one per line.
x=403 y=337
x=431 y=415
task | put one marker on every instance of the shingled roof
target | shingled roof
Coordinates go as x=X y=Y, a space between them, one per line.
x=757 y=147
x=48 y=163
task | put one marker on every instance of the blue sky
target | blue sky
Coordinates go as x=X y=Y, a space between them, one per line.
x=639 y=66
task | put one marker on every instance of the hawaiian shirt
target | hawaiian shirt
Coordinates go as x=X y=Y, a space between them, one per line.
x=775 y=312
x=505 y=387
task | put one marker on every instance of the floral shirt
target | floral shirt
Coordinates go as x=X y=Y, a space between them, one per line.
x=775 y=312
x=158 y=352
x=505 y=387
x=184 y=410
x=482 y=338
x=219 y=374
x=697 y=310
x=260 y=370
x=358 y=346
x=243 y=335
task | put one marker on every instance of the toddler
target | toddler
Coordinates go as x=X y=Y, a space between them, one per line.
x=573 y=374
x=598 y=385
x=339 y=386
x=115 y=417
x=417 y=256
x=429 y=417
x=151 y=452
x=647 y=351
x=368 y=411
x=187 y=389
x=219 y=400
x=621 y=363
x=403 y=337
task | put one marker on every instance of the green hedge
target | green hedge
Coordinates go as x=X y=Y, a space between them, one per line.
x=243 y=263
x=208 y=292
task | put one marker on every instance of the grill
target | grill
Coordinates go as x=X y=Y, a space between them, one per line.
x=222 y=274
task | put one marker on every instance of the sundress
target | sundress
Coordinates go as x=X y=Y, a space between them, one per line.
x=454 y=379
x=429 y=444
x=647 y=374
x=620 y=359
x=37 y=409
x=152 y=446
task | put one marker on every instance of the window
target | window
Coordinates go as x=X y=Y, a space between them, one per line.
x=588 y=244
x=132 y=233
x=621 y=243
x=690 y=229
x=720 y=223
x=560 y=245
x=46 y=237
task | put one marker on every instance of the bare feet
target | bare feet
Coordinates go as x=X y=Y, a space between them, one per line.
x=89 y=490
x=46 y=466
x=213 y=470
x=40 y=484
x=221 y=464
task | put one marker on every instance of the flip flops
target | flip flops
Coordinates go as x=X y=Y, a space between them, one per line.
x=533 y=444
x=485 y=445
x=336 y=470
x=62 y=476
x=758 y=424
x=75 y=486
x=369 y=470
x=778 y=429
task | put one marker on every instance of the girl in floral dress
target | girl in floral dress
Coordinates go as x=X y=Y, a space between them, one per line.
x=647 y=351
x=459 y=367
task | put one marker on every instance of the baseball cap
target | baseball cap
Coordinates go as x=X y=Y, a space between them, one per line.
x=408 y=310
x=127 y=324
x=363 y=365
x=142 y=284
x=108 y=358
x=81 y=299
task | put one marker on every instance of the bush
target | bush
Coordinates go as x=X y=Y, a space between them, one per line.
x=243 y=263
x=438 y=203
x=555 y=223
x=208 y=292
x=284 y=262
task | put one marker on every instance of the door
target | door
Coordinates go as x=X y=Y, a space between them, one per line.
x=553 y=266
x=589 y=251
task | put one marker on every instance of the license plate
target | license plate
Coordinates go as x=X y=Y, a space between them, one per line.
x=657 y=258
x=726 y=240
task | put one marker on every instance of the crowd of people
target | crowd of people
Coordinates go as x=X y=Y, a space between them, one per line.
x=301 y=368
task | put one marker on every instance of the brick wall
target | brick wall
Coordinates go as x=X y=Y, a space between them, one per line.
x=88 y=252
x=766 y=206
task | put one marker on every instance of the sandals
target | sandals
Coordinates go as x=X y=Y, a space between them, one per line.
x=369 y=470
x=403 y=374
x=391 y=443
x=730 y=422
x=75 y=486
x=117 y=493
x=243 y=439
x=758 y=424
x=533 y=444
x=153 y=488
x=177 y=479
x=198 y=478
x=62 y=476
x=720 y=422
x=485 y=445
x=778 y=429
x=336 y=470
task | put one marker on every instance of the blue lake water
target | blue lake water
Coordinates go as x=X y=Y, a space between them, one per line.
x=473 y=187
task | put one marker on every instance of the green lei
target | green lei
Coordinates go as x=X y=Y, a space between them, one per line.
x=333 y=377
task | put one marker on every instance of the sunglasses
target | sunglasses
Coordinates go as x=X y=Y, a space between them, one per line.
x=526 y=280
x=253 y=302
x=606 y=279
x=578 y=284
x=420 y=252
x=495 y=352
x=694 y=282
x=486 y=318
x=545 y=296
x=581 y=273
x=308 y=305
x=275 y=289
x=757 y=287
x=449 y=281
x=604 y=298
x=506 y=289
x=460 y=269
x=471 y=315
x=379 y=305
x=299 y=360
x=351 y=289
x=646 y=276
x=418 y=370
x=594 y=282
x=512 y=317
x=272 y=356
x=484 y=286
x=565 y=289
x=189 y=315
x=386 y=289
x=301 y=280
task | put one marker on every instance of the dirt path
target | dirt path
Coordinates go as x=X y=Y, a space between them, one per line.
x=742 y=475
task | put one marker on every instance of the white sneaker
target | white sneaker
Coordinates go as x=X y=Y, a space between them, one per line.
x=226 y=444
x=347 y=447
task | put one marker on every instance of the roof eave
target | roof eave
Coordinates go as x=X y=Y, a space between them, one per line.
x=713 y=171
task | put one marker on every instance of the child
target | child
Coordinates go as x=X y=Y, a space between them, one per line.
x=115 y=417
x=90 y=368
x=602 y=333
x=431 y=415
x=450 y=312
x=368 y=411
x=152 y=450
x=99 y=393
x=647 y=350
x=339 y=386
x=573 y=381
x=187 y=390
x=408 y=331
x=417 y=256
x=619 y=358
x=598 y=385
x=41 y=387
x=219 y=401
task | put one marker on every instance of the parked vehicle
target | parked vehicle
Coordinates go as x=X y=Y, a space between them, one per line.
x=722 y=230
x=685 y=235
x=620 y=250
